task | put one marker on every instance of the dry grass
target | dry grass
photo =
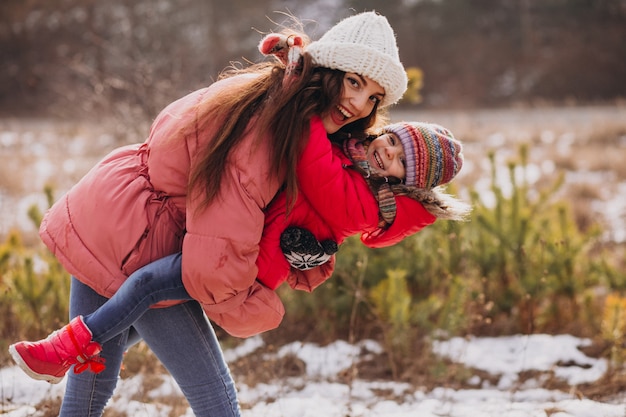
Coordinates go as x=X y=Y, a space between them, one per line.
x=587 y=144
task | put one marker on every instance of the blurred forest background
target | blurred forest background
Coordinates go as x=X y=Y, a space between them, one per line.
x=536 y=256
x=83 y=57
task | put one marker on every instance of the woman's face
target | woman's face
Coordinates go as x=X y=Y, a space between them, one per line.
x=385 y=156
x=358 y=98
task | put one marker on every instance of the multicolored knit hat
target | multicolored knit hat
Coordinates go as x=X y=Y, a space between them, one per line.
x=433 y=155
x=366 y=45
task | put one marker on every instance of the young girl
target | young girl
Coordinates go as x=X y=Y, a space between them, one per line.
x=200 y=185
x=360 y=182
x=384 y=188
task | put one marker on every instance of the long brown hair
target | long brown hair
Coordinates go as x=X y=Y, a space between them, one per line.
x=282 y=113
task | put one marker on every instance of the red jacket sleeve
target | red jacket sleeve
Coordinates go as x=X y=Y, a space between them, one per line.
x=272 y=264
x=340 y=195
x=344 y=200
x=411 y=217
x=333 y=203
x=311 y=278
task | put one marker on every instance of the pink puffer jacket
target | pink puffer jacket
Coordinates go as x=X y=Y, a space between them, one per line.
x=132 y=208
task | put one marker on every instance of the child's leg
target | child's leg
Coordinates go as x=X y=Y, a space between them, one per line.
x=87 y=393
x=158 y=281
x=80 y=341
x=182 y=338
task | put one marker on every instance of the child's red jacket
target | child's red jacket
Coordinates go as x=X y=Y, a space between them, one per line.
x=334 y=202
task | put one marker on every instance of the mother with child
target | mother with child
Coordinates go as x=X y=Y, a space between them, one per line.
x=241 y=186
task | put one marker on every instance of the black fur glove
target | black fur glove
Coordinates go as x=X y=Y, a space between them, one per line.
x=303 y=251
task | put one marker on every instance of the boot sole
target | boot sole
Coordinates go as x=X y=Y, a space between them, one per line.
x=41 y=377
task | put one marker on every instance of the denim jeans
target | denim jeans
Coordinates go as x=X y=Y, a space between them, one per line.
x=180 y=336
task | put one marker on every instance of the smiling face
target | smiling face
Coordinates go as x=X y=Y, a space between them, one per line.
x=385 y=156
x=358 y=98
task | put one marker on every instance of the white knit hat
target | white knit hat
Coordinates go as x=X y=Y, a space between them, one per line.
x=366 y=45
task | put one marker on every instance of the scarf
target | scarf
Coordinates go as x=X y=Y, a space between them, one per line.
x=356 y=150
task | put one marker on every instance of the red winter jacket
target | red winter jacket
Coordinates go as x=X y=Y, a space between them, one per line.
x=334 y=202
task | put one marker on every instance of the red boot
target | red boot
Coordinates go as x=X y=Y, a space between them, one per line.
x=50 y=359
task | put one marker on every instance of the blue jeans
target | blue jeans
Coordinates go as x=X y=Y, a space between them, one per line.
x=181 y=337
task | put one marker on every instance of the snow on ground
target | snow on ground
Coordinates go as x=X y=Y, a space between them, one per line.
x=320 y=393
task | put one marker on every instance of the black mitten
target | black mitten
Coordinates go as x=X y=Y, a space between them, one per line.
x=303 y=251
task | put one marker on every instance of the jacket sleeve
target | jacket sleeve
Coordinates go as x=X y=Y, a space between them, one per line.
x=310 y=279
x=219 y=263
x=221 y=243
x=340 y=196
x=273 y=266
x=411 y=217
x=253 y=311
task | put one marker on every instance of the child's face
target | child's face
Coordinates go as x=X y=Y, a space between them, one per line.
x=385 y=156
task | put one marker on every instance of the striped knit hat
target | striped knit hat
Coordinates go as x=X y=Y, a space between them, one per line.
x=433 y=155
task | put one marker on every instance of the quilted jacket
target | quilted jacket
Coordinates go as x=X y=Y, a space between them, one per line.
x=132 y=208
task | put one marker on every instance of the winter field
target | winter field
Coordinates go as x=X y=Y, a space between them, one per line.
x=322 y=391
x=577 y=140
x=512 y=376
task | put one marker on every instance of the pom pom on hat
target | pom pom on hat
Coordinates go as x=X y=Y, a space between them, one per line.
x=433 y=155
x=275 y=44
x=364 y=44
x=287 y=49
x=279 y=45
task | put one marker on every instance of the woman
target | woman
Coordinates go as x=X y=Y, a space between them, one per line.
x=212 y=163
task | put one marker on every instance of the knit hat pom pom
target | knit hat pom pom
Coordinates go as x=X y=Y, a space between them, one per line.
x=274 y=44
x=278 y=45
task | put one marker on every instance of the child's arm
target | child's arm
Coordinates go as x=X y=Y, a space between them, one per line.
x=273 y=267
x=411 y=217
x=311 y=278
x=339 y=195
x=344 y=200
